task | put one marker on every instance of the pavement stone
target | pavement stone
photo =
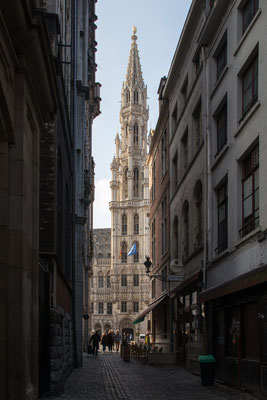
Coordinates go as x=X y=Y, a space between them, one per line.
x=109 y=377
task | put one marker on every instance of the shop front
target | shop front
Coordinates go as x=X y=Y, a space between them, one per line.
x=237 y=326
x=188 y=322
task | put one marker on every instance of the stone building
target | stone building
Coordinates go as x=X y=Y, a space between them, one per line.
x=216 y=95
x=46 y=47
x=129 y=206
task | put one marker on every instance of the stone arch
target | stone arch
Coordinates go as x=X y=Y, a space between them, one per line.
x=126 y=327
x=107 y=327
x=98 y=328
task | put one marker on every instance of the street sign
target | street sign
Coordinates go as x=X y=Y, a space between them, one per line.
x=176 y=266
x=175 y=278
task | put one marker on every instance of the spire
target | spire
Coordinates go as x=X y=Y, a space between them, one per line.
x=134 y=73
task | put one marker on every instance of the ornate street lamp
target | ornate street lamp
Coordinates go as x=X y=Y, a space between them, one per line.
x=147 y=264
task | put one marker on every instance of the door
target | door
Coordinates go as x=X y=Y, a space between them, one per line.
x=219 y=342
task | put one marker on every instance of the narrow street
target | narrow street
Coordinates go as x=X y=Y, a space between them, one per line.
x=109 y=377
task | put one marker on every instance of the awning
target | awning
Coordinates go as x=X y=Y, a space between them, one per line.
x=158 y=301
x=247 y=280
x=197 y=277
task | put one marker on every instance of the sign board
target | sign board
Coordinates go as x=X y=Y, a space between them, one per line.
x=175 y=278
x=176 y=266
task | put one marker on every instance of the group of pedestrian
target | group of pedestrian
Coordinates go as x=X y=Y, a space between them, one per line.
x=109 y=339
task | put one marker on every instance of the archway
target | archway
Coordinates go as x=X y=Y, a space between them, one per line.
x=98 y=328
x=107 y=327
x=126 y=327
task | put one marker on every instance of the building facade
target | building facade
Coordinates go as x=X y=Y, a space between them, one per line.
x=129 y=292
x=216 y=98
x=48 y=46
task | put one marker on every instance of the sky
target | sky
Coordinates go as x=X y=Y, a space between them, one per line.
x=159 y=24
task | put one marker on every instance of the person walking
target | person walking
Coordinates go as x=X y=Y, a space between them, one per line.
x=117 y=340
x=104 y=341
x=95 y=338
x=110 y=340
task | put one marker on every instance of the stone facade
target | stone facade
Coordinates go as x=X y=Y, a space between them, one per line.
x=129 y=291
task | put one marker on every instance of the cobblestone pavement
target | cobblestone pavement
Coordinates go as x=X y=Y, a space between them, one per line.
x=108 y=377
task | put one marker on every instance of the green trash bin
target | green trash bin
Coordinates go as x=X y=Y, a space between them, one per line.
x=207 y=364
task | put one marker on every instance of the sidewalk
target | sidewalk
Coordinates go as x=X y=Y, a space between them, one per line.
x=108 y=377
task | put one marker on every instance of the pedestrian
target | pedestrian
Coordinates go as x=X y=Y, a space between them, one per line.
x=117 y=340
x=110 y=340
x=104 y=341
x=95 y=338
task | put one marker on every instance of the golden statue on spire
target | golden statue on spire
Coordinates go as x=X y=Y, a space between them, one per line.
x=134 y=29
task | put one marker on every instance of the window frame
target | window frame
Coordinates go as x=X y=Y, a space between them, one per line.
x=109 y=308
x=222 y=204
x=100 y=307
x=164 y=153
x=100 y=282
x=245 y=8
x=221 y=130
x=124 y=306
x=136 y=306
x=136 y=280
x=124 y=224
x=136 y=224
x=123 y=280
x=253 y=66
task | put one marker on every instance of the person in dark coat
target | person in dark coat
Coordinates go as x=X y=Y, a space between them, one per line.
x=110 y=340
x=104 y=341
x=95 y=338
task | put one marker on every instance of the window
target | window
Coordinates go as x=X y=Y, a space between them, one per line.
x=198 y=214
x=164 y=279
x=221 y=122
x=174 y=119
x=153 y=188
x=136 y=255
x=185 y=149
x=109 y=308
x=123 y=280
x=125 y=183
x=197 y=120
x=124 y=306
x=127 y=97
x=92 y=307
x=136 y=96
x=248 y=11
x=136 y=280
x=232 y=331
x=222 y=217
x=197 y=63
x=175 y=170
x=124 y=224
x=92 y=283
x=186 y=229
x=153 y=289
x=164 y=154
x=250 y=192
x=136 y=306
x=108 y=282
x=100 y=281
x=100 y=308
x=136 y=224
x=153 y=241
x=221 y=59
x=250 y=86
x=164 y=226
x=135 y=137
x=124 y=252
x=175 y=237
x=184 y=91
x=135 y=182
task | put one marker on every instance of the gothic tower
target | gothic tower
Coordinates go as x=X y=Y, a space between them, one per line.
x=129 y=204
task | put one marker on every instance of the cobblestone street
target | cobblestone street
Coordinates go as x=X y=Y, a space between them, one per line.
x=109 y=377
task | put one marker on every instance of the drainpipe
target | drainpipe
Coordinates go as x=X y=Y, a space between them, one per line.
x=207 y=176
x=73 y=126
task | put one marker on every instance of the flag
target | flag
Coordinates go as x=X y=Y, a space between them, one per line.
x=133 y=250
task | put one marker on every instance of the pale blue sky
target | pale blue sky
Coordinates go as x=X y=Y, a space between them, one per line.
x=159 y=24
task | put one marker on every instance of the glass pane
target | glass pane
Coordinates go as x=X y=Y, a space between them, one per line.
x=247 y=187
x=248 y=207
x=257 y=199
x=256 y=179
x=222 y=213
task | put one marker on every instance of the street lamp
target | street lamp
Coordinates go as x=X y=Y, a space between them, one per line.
x=148 y=264
x=176 y=267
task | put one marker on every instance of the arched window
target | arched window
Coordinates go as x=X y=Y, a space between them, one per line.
x=175 y=238
x=136 y=96
x=136 y=224
x=108 y=281
x=124 y=252
x=198 y=223
x=127 y=97
x=135 y=133
x=124 y=224
x=125 y=183
x=135 y=182
x=136 y=255
x=186 y=229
